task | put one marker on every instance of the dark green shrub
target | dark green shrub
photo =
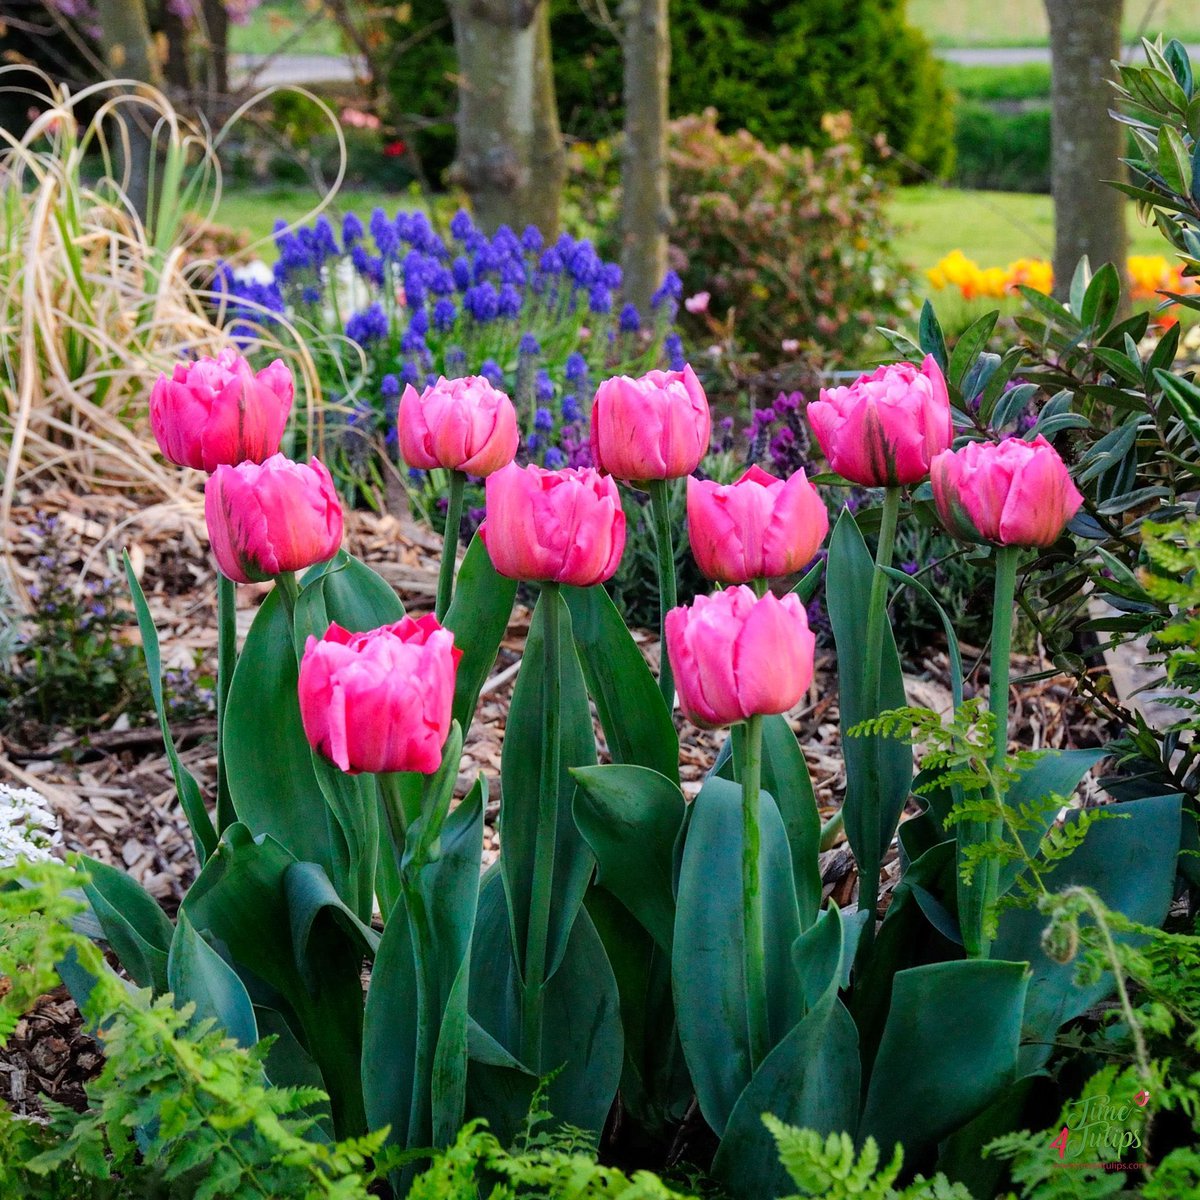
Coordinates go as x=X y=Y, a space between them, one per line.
x=770 y=67
x=999 y=150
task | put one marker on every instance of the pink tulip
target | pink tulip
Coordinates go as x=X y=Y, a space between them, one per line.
x=654 y=427
x=1011 y=493
x=758 y=528
x=380 y=701
x=264 y=519
x=460 y=424
x=217 y=411
x=885 y=428
x=555 y=526
x=735 y=656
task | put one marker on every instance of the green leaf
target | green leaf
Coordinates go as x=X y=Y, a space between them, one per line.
x=785 y=776
x=929 y=334
x=1051 y=308
x=811 y=1079
x=636 y=722
x=966 y=349
x=1079 y=284
x=478 y=616
x=204 y=833
x=1184 y=396
x=242 y=899
x=198 y=975
x=630 y=817
x=414 y=1066
x=521 y=785
x=1176 y=57
x=1101 y=299
x=707 y=963
x=1174 y=163
x=581 y=1032
x=134 y=925
x=1130 y=864
x=878 y=769
x=949 y=1048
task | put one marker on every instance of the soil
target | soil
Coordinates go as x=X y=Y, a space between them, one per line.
x=113 y=791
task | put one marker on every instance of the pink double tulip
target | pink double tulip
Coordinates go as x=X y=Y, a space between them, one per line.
x=264 y=519
x=736 y=656
x=760 y=527
x=554 y=526
x=380 y=701
x=653 y=427
x=885 y=428
x=1011 y=493
x=460 y=424
x=218 y=411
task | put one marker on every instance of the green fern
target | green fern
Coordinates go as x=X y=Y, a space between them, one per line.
x=828 y=1168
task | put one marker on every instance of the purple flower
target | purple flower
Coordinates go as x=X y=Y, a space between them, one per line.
x=460 y=271
x=383 y=230
x=441 y=281
x=444 y=315
x=491 y=371
x=630 y=321
x=671 y=289
x=455 y=358
x=311 y=295
x=531 y=239
x=325 y=243
x=673 y=346
x=555 y=459
x=544 y=387
x=413 y=342
x=577 y=368
x=369 y=325
x=508 y=303
x=410 y=373
x=599 y=299
x=352 y=229
x=461 y=225
x=367 y=265
x=552 y=262
x=418 y=322
x=389 y=387
x=482 y=302
x=529 y=345
x=570 y=409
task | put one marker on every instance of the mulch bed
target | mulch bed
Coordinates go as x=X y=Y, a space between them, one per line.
x=113 y=789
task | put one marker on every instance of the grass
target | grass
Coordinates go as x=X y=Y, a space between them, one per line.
x=290 y=26
x=257 y=209
x=988 y=85
x=1023 y=22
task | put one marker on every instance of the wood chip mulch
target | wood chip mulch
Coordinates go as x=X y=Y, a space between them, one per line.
x=113 y=789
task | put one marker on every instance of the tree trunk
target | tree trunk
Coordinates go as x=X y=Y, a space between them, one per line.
x=1089 y=216
x=510 y=153
x=216 y=27
x=129 y=53
x=645 y=204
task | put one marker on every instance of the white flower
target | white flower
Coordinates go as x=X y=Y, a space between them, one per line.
x=28 y=827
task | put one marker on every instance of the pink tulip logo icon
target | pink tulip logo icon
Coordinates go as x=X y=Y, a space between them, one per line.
x=1142 y=1098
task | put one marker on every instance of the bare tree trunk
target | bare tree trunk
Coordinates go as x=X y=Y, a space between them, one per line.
x=510 y=153
x=129 y=53
x=645 y=205
x=1089 y=218
x=216 y=26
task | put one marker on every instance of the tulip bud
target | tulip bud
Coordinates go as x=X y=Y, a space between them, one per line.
x=555 y=526
x=760 y=527
x=735 y=656
x=217 y=411
x=380 y=701
x=1011 y=493
x=654 y=427
x=460 y=424
x=264 y=519
x=885 y=428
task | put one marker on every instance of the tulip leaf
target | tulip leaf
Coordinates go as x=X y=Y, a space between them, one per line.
x=637 y=724
x=522 y=785
x=414 y=1066
x=134 y=925
x=478 y=616
x=630 y=817
x=198 y=975
x=707 y=961
x=1129 y=861
x=581 y=1030
x=204 y=833
x=242 y=899
x=949 y=1048
x=878 y=769
x=929 y=334
x=811 y=1079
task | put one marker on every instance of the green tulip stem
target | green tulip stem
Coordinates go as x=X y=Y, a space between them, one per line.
x=754 y=949
x=393 y=806
x=1002 y=615
x=542 y=892
x=660 y=503
x=226 y=661
x=868 y=869
x=289 y=593
x=454 y=507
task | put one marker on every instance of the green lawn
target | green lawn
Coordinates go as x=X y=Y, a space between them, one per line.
x=290 y=26
x=1023 y=22
x=257 y=210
